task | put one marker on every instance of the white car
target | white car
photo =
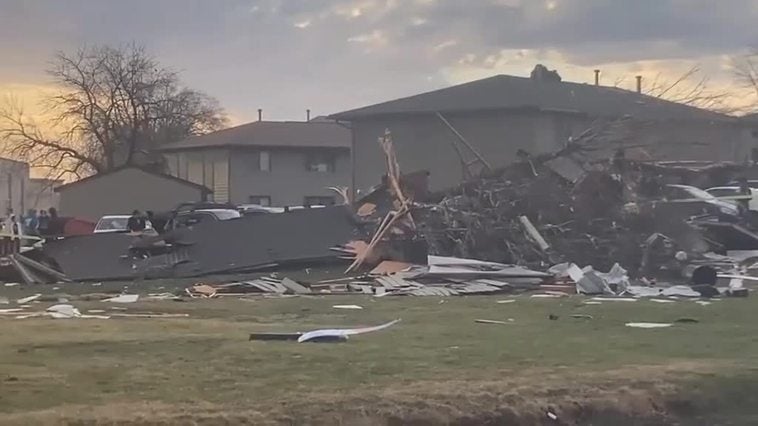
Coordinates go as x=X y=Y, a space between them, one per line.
x=253 y=209
x=732 y=194
x=115 y=223
x=692 y=195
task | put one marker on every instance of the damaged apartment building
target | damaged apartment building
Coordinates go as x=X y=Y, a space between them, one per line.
x=270 y=163
x=502 y=119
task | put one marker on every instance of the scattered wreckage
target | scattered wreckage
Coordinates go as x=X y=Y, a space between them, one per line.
x=526 y=227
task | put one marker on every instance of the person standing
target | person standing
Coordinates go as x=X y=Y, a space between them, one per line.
x=31 y=223
x=8 y=222
x=136 y=222
x=15 y=230
x=744 y=190
x=54 y=225
x=43 y=222
x=7 y=228
x=157 y=221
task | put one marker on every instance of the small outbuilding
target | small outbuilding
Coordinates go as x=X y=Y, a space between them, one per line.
x=122 y=190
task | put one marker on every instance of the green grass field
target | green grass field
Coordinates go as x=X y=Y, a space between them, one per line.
x=435 y=367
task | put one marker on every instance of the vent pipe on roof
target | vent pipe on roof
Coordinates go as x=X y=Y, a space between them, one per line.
x=597 y=77
x=260 y=114
x=307 y=115
x=639 y=84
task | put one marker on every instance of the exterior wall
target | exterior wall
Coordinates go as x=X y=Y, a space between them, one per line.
x=287 y=182
x=123 y=191
x=40 y=194
x=208 y=167
x=423 y=142
x=697 y=140
x=14 y=179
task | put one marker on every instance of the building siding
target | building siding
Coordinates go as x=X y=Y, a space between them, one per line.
x=426 y=143
x=209 y=168
x=423 y=142
x=287 y=182
x=238 y=174
x=121 y=192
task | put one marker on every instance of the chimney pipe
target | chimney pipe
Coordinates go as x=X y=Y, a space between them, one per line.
x=307 y=115
x=597 y=77
x=639 y=84
x=260 y=114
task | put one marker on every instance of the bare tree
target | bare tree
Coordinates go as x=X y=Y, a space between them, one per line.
x=113 y=104
x=746 y=74
x=690 y=88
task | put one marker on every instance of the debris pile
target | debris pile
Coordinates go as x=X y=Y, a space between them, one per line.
x=530 y=215
x=577 y=206
x=447 y=276
x=263 y=285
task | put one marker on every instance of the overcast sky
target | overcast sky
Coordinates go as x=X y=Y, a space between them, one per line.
x=329 y=55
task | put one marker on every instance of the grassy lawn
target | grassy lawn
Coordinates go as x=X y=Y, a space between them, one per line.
x=437 y=365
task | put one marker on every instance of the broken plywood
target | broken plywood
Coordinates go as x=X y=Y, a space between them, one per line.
x=390 y=267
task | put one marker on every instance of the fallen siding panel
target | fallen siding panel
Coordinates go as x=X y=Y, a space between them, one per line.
x=234 y=245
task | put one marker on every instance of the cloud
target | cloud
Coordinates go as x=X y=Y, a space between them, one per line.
x=327 y=55
x=302 y=24
x=374 y=39
x=444 y=45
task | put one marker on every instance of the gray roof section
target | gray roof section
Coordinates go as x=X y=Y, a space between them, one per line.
x=509 y=92
x=300 y=134
x=66 y=186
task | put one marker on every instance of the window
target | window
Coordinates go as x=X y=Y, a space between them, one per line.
x=724 y=192
x=321 y=163
x=261 y=200
x=318 y=201
x=264 y=161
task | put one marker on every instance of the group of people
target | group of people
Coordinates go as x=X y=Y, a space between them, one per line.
x=33 y=223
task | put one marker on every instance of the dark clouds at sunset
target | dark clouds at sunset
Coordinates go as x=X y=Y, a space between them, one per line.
x=328 y=55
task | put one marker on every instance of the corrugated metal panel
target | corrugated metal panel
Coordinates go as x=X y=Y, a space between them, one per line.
x=495 y=283
x=471 y=288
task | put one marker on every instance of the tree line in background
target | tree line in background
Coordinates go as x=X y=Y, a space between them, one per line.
x=116 y=105
x=113 y=107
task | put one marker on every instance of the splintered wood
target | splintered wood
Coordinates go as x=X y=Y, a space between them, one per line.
x=401 y=201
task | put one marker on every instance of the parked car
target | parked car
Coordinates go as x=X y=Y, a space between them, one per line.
x=115 y=223
x=750 y=182
x=699 y=201
x=193 y=217
x=734 y=195
x=254 y=209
